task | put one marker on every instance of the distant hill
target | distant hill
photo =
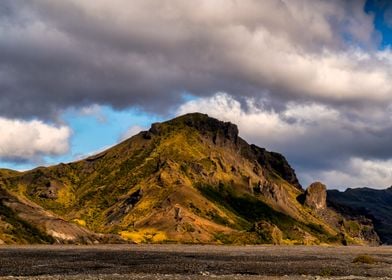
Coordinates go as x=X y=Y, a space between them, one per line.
x=190 y=180
x=374 y=204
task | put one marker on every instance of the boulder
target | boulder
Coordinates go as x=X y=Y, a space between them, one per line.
x=316 y=196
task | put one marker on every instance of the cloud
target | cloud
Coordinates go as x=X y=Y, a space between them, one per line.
x=133 y=130
x=357 y=172
x=95 y=111
x=82 y=156
x=321 y=142
x=57 y=54
x=31 y=140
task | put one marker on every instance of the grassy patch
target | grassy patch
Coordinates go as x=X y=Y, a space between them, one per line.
x=327 y=271
x=365 y=259
x=66 y=196
x=148 y=235
x=214 y=216
x=223 y=238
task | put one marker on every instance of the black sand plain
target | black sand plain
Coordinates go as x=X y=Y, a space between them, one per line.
x=193 y=262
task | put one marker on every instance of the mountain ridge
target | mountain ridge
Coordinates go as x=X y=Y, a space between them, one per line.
x=371 y=203
x=190 y=180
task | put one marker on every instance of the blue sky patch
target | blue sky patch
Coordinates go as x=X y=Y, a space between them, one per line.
x=382 y=11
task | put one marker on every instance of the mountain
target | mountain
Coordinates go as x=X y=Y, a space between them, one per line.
x=191 y=180
x=371 y=203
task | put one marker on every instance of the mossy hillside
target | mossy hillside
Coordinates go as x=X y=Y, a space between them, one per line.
x=126 y=164
x=371 y=203
x=135 y=188
x=6 y=173
x=184 y=145
x=97 y=186
x=250 y=210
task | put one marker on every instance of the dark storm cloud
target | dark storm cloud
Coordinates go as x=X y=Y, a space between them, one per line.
x=60 y=56
x=56 y=54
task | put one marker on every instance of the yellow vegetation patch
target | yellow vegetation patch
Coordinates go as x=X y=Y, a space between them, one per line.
x=80 y=222
x=66 y=196
x=22 y=189
x=181 y=145
x=148 y=235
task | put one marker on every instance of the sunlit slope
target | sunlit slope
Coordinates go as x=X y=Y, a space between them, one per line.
x=191 y=179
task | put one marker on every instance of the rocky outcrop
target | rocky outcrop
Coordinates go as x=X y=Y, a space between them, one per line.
x=359 y=227
x=274 y=192
x=274 y=162
x=354 y=227
x=219 y=130
x=316 y=196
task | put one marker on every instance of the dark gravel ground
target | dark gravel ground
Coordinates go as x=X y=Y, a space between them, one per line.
x=192 y=262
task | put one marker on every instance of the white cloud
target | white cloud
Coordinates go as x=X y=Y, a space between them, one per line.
x=30 y=140
x=133 y=130
x=310 y=113
x=94 y=110
x=81 y=156
x=258 y=124
x=357 y=172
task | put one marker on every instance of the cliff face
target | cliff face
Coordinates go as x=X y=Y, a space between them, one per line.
x=191 y=179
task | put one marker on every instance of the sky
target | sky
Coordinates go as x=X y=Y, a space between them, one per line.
x=310 y=79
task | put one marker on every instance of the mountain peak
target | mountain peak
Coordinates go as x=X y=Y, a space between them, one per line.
x=201 y=122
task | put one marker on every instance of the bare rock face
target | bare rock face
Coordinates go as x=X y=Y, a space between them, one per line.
x=274 y=192
x=274 y=162
x=316 y=196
